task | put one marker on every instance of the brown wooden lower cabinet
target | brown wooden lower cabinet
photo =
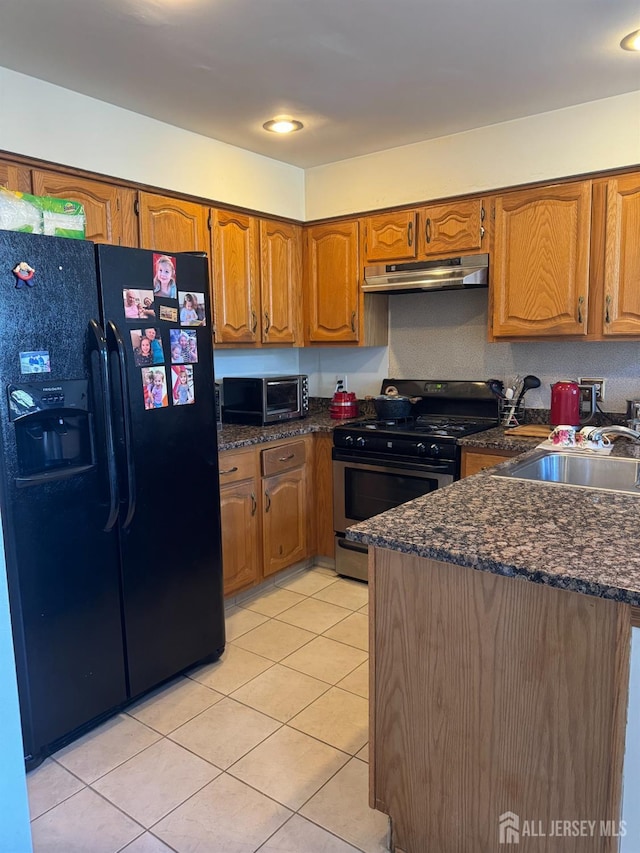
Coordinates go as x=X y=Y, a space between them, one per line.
x=285 y=504
x=475 y=460
x=239 y=496
x=266 y=510
x=489 y=696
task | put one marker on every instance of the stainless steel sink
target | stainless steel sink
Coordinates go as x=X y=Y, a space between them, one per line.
x=586 y=472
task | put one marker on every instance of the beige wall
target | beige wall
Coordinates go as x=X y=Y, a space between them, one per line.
x=599 y=135
x=46 y=121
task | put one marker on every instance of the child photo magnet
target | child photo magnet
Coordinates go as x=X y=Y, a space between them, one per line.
x=138 y=304
x=184 y=346
x=191 y=308
x=154 y=388
x=183 y=392
x=147 y=347
x=164 y=276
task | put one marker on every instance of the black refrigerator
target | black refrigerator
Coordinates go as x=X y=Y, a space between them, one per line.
x=109 y=477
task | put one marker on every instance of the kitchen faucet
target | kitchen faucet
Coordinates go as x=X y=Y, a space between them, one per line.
x=614 y=429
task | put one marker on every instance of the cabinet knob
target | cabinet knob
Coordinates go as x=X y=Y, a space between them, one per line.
x=607 y=314
x=427 y=230
x=580 y=304
x=254 y=503
x=267 y=323
x=267 y=498
x=353 y=321
x=410 y=234
x=229 y=470
x=254 y=322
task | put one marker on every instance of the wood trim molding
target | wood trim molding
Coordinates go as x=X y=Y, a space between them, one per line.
x=635 y=617
x=35 y=163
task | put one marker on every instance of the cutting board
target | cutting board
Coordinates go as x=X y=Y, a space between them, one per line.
x=530 y=430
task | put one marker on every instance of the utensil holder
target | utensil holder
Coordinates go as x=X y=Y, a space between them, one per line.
x=511 y=414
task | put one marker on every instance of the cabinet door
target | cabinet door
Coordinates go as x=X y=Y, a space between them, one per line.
x=391 y=236
x=474 y=460
x=14 y=177
x=280 y=282
x=332 y=282
x=235 y=239
x=240 y=540
x=241 y=544
x=451 y=228
x=109 y=210
x=540 y=261
x=172 y=225
x=284 y=520
x=622 y=257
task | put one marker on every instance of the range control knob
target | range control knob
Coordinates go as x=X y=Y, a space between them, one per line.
x=348 y=440
x=361 y=442
x=421 y=448
x=435 y=450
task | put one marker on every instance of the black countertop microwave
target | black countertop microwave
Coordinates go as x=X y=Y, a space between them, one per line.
x=262 y=400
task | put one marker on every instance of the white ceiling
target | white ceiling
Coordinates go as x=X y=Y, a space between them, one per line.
x=363 y=75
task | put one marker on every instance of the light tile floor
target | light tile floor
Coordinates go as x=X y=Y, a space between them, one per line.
x=265 y=750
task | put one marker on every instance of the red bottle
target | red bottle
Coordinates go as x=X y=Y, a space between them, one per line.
x=565 y=403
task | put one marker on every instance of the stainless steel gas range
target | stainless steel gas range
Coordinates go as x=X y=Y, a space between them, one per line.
x=378 y=465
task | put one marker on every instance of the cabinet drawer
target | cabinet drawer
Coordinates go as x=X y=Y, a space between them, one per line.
x=236 y=465
x=283 y=458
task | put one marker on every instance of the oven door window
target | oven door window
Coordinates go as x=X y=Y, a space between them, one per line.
x=281 y=396
x=368 y=493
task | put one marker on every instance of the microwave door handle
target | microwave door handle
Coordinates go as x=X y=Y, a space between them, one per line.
x=126 y=420
x=103 y=360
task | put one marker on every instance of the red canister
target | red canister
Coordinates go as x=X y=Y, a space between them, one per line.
x=343 y=405
x=565 y=403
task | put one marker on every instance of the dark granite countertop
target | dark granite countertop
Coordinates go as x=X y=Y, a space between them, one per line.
x=232 y=436
x=578 y=539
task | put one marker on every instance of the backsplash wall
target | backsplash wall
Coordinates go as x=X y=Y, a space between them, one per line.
x=443 y=335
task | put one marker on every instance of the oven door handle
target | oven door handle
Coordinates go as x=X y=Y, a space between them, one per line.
x=348 y=545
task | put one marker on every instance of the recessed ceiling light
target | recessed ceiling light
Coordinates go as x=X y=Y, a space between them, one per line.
x=283 y=125
x=632 y=41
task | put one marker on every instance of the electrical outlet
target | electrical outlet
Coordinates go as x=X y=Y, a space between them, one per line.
x=341 y=382
x=599 y=386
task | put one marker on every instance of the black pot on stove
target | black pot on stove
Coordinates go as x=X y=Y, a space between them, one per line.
x=392 y=405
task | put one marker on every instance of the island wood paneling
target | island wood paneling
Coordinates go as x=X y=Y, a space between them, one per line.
x=493 y=694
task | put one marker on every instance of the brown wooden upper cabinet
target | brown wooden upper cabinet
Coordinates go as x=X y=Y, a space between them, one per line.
x=439 y=229
x=235 y=269
x=540 y=261
x=109 y=209
x=335 y=309
x=172 y=225
x=391 y=236
x=14 y=177
x=331 y=279
x=280 y=282
x=453 y=228
x=621 y=310
x=332 y=282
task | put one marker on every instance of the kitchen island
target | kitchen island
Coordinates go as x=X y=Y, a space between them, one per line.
x=501 y=622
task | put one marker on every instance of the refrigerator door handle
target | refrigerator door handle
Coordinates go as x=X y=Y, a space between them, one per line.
x=126 y=419
x=101 y=347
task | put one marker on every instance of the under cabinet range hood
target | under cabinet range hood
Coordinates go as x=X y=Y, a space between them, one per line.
x=417 y=276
